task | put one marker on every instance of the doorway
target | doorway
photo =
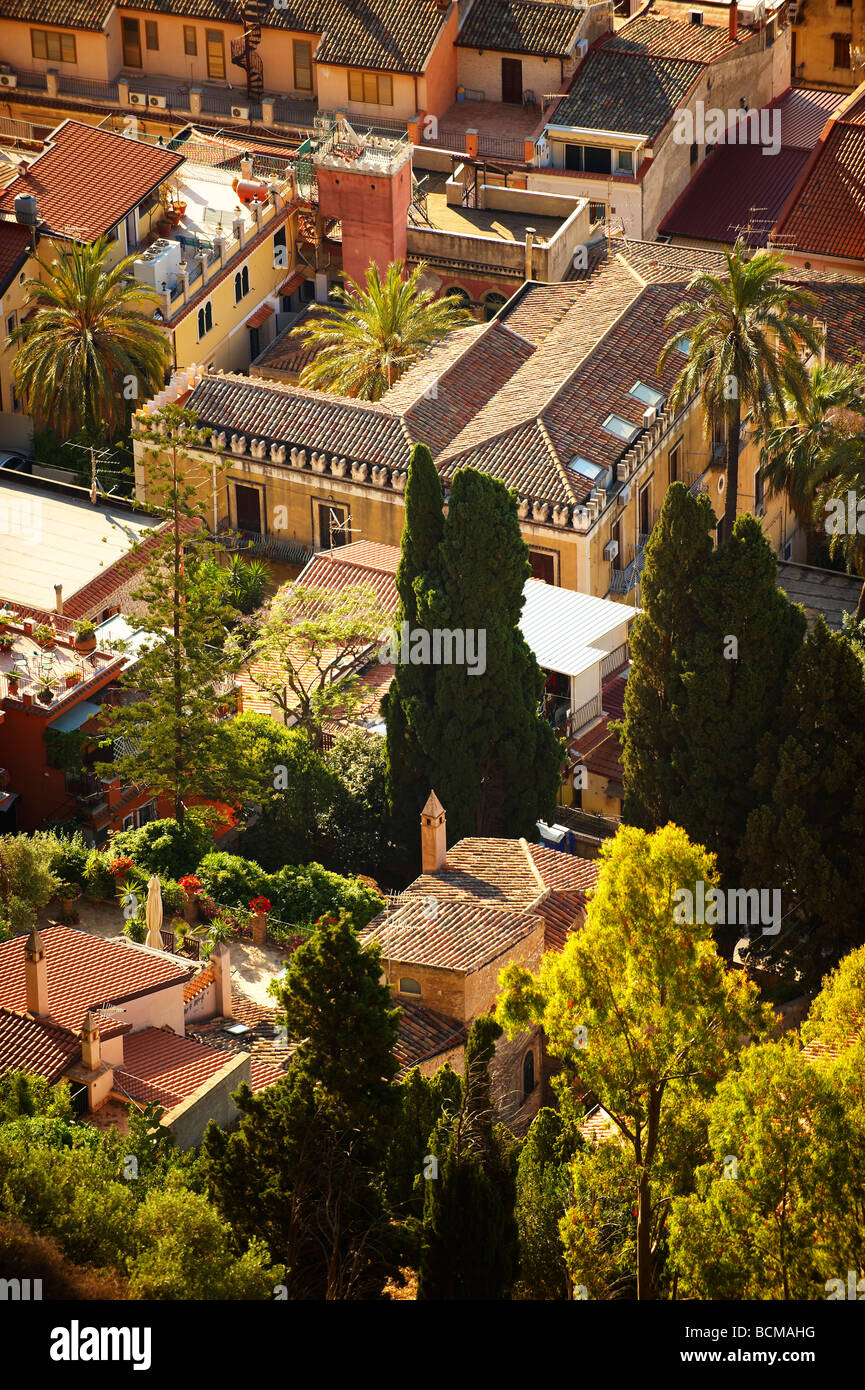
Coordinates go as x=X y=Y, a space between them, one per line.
x=332 y=526
x=512 y=81
x=247 y=502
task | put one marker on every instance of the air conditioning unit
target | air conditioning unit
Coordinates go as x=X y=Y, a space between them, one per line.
x=611 y=550
x=159 y=263
x=240 y=113
x=650 y=415
x=8 y=79
x=137 y=98
x=696 y=17
x=582 y=47
x=156 y=100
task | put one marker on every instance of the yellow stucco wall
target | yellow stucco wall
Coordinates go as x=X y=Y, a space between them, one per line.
x=814 y=47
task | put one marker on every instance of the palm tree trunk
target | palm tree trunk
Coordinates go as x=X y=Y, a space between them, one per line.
x=732 y=502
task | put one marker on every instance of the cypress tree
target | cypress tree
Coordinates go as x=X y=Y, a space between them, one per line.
x=746 y=633
x=408 y=704
x=808 y=835
x=493 y=760
x=677 y=555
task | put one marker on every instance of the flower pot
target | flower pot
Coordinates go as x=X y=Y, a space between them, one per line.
x=67 y=905
x=190 y=911
x=259 y=928
x=45 y=697
x=71 y=679
x=85 y=644
x=13 y=682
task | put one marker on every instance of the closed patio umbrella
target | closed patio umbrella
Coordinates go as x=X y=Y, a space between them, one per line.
x=153 y=914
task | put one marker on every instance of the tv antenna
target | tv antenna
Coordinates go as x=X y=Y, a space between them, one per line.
x=98 y=457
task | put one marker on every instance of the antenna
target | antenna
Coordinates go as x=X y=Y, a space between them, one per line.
x=97 y=457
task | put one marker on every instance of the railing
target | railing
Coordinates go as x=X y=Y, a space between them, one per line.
x=299 y=113
x=448 y=140
x=503 y=148
x=191 y=944
x=697 y=483
x=622 y=581
x=260 y=543
x=34 y=81
x=586 y=713
x=84 y=87
x=615 y=659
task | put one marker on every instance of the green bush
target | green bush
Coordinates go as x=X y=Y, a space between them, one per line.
x=163 y=847
x=301 y=895
x=98 y=882
x=68 y=858
x=231 y=880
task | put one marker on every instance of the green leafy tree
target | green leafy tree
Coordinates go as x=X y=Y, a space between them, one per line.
x=843 y=473
x=677 y=555
x=745 y=332
x=409 y=703
x=793 y=454
x=746 y=634
x=174 y=740
x=380 y=330
x=469 y=1242
x=807 y=836
x=23 y=1093
x=306 y=659
x=544 y=1192
x=639 y=1007
x=166 y=847
x=302 y=1170
x=767 y=1209
x=92 y=347
x=187 y=1252
x=26 y=880
x=355 y=821
x=837 y=1015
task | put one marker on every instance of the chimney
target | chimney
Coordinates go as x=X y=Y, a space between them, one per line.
x=734 y=20
x=58 y=602
x=433 y=835
x=36 y=975
x=91 y=1047
x=530 y=241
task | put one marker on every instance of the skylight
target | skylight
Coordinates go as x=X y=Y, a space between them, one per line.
x=683 y=346
x=622 y=429
x=587 y=469
x=647 y=394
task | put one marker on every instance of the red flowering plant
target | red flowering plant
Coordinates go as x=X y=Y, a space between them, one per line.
x=121 y=865
x=190 y=883
x=259 y=905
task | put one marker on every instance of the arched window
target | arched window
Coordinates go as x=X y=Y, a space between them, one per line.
x=238 y=292
x=201 y=328
x=409 y=986
x=462 y=297
x=492 y=304
x=205 y=319
x=528 y=1074
x=241 y=284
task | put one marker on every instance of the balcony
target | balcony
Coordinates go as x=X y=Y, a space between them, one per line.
x=586 y=714
x=615 y=660
x=698 y=482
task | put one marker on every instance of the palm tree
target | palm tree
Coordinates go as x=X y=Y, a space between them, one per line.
x=745 y=336
x=842 y=470
x=247 y=583
x=365 y=346
x=91 y=348
x=795 y=455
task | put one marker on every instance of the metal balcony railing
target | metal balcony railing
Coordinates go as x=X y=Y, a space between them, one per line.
x=615 y=659
x=586 y=714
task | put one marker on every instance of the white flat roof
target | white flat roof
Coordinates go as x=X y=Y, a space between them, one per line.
x=569 y=632
x=48 y=539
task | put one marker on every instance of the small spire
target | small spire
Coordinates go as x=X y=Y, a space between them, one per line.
x=433 y=806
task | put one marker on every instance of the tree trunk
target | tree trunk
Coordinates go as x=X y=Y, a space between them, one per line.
x=178 y=673
x=860 y=606
x=644 y=1238
x=732 y=495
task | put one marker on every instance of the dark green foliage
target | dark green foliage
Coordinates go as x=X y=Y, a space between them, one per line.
x=469 y=1243
x=278 y=770
x=299 y=894
x=302 y=1168
x=730 y=702
x=677 y=555
x=807 y=836
x=423 y=1101
x=231 y=880
x=164 y=846
x=68 y=860
x=23 y=1093
x=544 y=1192
x=356 y=821
x=472 y=731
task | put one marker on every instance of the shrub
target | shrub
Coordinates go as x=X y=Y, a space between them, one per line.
x=163 y=847
x=303 y=894
x=136 y=928
x=98 y=882
x=68 y=858
x=26 y=881
x=231 y=880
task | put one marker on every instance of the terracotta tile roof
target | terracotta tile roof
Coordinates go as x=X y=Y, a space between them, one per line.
x=34 y=1044
x=626 y=89
x=804 y=112
x=422 y=1034
x=369 y=554
x=260 y=316
x=841 y=307
x=158 y=1065
x=658 y=36
x=14 y=249
x=564 y=872
x=85 y=972
x=562 y=914
x=99 y=591
x=387 y=35
x=737 y=190
x=197 y=984
x=88 y=179
x=827 y=216
x=827 y=592
x=340 y=569
x=521 y=26
x=64 y=14
x=462 y=935
x=266 y=1039
x=613 y=696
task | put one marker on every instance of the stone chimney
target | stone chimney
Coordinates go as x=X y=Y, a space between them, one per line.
x=36 y=975
x=58 y=598
x=734 y=20
x=433 y=835
x=530 y=241
x=91 y=1047
x=220 y=964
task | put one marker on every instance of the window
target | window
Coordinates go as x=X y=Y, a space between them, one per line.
x=695 y=153
x=205 y=319
x=841 y=57
x=684 y=346
x=215 y=54
x=647 y=394
x=130 y=34
x=645 y=509
x=759 y=493
x=147 y=813
x=589 y=159
x=543 y=563
x=371 y=88
x=151 y=35
x=280 y=250
x=190 y=42
x=675 y=458
x=528 y=1074
x=302 y=66
x=616 y=535
x=492 y=304
x=241 y=284
x=625 y=161
x=129 y=822
x=622 y=429
x=409 y=986
x=332 y=526
x=59 y=48
x=11 y=324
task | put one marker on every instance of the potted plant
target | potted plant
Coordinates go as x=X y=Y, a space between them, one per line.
x=7 y=641
x=13 y=680
x=85 y=637
x=45 y=635
x=119 y=869
x=68 y=893
x=191 y=886
x=259 y=907
x=45 y=690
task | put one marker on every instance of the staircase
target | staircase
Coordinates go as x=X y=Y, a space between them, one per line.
x=243 y=53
